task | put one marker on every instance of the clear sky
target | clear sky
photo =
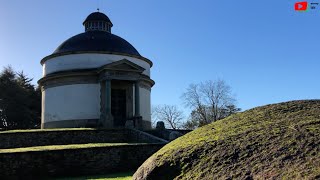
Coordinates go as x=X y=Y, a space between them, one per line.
x=264 y=50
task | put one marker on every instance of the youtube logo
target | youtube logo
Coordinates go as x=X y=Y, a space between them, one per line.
x=301 y=6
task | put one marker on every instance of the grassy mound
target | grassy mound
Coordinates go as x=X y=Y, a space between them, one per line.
x=279 y=141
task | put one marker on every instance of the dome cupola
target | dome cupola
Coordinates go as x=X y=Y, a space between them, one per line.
x=97 y=21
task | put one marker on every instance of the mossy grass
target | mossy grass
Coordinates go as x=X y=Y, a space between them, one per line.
x=278 y=141
x=63 y=147
x=115 y=176
x=56 y=129
x=46 y=130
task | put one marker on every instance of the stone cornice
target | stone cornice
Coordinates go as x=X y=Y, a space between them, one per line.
x=95 y=52
x=68 y=78
x=66 y=74
x=90 y=76
x=147 y=79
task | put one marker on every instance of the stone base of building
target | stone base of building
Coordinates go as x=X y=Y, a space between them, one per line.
x=137 y=123
x=88 y=123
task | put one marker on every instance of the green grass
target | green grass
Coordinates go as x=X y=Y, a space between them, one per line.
x=45 y=130
x=53 y=129
x=62 y=147
x=116 y=176
x=278 y=141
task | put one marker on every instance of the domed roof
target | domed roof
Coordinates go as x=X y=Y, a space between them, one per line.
x=97 y=16
x=97 y=41
x=98 y=38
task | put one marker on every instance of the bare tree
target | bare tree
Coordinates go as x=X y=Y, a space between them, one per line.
x=169 y=114
x=153 y=117
x=210 y=101
x=192 y=122
x=194 y=99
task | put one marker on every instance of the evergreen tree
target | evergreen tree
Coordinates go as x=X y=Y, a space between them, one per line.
x=20 y=101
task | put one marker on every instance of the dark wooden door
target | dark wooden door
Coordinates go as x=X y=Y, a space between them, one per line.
x=118 y=106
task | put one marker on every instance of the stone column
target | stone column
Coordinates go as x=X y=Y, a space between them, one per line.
x=137 y=116
x=109 y=119
x=136 y=99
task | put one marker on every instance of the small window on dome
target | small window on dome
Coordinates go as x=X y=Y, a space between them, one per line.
x=100 y=25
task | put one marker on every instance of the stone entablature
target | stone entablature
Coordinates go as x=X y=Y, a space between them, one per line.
x=119 y=70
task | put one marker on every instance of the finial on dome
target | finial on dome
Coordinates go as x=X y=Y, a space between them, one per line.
x=98 y=9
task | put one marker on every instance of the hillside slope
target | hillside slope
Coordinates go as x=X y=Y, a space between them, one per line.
x=278 y=141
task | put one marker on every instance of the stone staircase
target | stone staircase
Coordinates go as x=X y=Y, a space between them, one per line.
x=33 y=154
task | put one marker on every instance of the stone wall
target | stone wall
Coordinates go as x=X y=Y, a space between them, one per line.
x=165 y=133
x=75 y=162
x=61 y=137
x=144 y=137
x=35 y=164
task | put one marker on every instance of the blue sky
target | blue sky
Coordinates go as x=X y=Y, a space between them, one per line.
x=264 y=50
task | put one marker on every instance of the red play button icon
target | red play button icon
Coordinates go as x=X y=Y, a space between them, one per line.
x=301 y=6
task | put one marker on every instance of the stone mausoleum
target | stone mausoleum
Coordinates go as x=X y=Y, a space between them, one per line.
x=96 y=79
